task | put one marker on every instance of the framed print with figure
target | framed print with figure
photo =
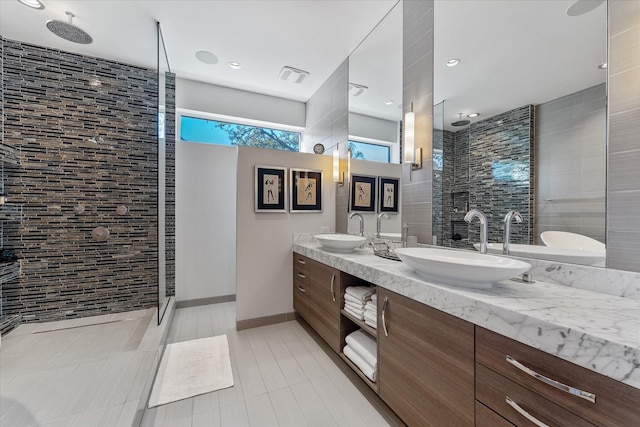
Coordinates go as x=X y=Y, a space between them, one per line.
x=362 y=193
x=270 y=186
x=389 y=190
x=306 y=190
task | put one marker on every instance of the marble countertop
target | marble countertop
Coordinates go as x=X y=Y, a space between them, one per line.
x=597 y=331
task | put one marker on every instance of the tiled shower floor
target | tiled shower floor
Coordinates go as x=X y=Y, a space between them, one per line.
x=80 y=372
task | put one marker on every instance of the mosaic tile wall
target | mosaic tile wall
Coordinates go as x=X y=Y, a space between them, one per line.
x=489 y=166
x=501 y=156
x=86 y=128
x=170 y=184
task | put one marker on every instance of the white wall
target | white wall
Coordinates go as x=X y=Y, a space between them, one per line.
x=198 y=96
x=389 y=170
x=205 y=220
x=264 y=240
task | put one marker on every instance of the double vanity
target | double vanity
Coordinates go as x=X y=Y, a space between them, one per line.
x=513 y=353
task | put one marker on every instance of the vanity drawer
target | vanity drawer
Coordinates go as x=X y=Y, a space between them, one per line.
x=485 y=417
x=301 y=262
x=616 y=404
x=493 y=390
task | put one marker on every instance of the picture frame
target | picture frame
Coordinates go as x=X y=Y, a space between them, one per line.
x=305 y=192
x=362 y=193
x=270 y=189
x=389 y=190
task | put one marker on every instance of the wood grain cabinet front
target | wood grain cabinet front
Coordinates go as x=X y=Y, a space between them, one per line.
x=550 y=389
x=324 y=306
x=426 y=363
x=301 y=290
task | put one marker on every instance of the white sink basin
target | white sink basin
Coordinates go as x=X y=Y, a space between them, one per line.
x=461 y=268
x=566 y=240
x=340 y=242
x=573 y=256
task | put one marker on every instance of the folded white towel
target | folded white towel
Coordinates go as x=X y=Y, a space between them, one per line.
x=374 y=297
x=372 y=309
x=366 y=369
x=363 y=344
x=362 y=293
x=370 y=316
x=372 y=303
x=356 y=305
x=371 y=323
x=353 y=300
x=356 y=314
x=353 y=306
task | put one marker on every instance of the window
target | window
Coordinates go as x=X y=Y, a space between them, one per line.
x=197 y=129
x=368 y=151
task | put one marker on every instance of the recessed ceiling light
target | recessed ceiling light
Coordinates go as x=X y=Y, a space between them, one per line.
x=234 y=65
x=389 y=102
x=206 y=57
x=472 y=115
x=36 y=4
x=603 y=66
x=294 y=74
x=453 y=62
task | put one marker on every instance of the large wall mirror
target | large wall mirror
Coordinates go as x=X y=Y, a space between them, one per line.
x=533 y=72
x=375 y=106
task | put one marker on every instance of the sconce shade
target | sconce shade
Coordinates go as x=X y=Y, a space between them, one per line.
x=336 y=165
x=409 y=137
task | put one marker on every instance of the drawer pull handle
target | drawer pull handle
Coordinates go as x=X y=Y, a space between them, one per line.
x=333 y=278
x=384 y=322
x=301 y=261
x=302 y=276
x=553 y=383
x=303 y=290
x=524 y=413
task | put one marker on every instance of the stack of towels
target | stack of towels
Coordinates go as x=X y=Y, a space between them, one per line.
x=355 y=298
x=361 y=350
x=370 y=312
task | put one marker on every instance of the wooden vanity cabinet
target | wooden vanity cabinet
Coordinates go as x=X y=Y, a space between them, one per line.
x=301 y=288
x=426 y=363
x=616 y=404
x=324 y=304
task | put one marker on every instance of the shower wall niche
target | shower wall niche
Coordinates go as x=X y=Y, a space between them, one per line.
x=86 y=131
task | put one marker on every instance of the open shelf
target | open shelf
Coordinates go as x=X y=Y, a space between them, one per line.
x=374 y=386
x=368 y=329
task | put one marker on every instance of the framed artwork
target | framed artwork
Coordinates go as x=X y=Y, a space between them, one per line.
x=389 y=189
x=306 y=190
x=270 y=186
x=362 y=193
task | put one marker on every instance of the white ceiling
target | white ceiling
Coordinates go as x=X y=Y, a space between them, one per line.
x=263 y=36
x=513 y=52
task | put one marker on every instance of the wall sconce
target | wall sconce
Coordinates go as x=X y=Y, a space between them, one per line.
x=337 y=176
x=411 y=154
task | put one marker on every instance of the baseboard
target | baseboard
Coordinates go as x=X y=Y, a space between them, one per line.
x=264 y=321
x=204 y=301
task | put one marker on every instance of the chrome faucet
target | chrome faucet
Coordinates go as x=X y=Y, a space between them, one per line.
x=473 y=213
x=507 y=229
x=361 y=222
x=378 y=226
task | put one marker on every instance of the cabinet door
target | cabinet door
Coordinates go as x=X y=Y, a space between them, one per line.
x=324 y=304
x=301 y=286
x=426 y=363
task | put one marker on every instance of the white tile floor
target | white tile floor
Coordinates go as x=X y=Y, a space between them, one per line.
x=68 y=374
x=282 y=378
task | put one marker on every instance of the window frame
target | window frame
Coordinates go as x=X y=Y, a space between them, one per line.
x=180 y=112
x=372 y=141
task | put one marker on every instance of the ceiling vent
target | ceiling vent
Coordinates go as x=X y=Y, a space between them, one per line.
x=356 y=89
x=293 y=74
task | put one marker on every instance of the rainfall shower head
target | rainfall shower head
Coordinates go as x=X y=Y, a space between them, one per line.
x=68 y=31
x=460 y=122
